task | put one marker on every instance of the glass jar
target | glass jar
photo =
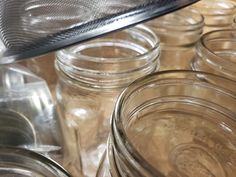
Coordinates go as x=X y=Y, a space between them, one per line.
x=20 y=162
x=218 y=14
x=28 y=117
x=215 y=53
x=91 y=75
x=178 y=33
x=175 y=124
x=43 y=66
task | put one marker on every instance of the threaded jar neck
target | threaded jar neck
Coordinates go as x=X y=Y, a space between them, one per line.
x=216 y=51
x=22 y=162
x=157 y=100
x=181 y=28
x=112 y=61
x=216 y=12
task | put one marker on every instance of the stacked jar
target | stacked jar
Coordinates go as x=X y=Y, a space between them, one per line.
x=178 y=33
x=215 y=53
x=218 y=14
x=175 y=124
x=91 y=76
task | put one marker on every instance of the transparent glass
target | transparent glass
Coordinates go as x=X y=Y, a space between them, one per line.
x=218 y=14
x=173 y=124
x=178 y=33
x=215 y=53
x=28 y=115
x=234 y=22
x=91 y=76
x=43 y=66
x=16 y=162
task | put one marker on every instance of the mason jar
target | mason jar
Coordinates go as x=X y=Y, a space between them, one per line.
x=173 y=124
x=20 y=162
x=215 y=53
x=91 y=76
x=178 y=33
x=218 y=14
x=28 y=117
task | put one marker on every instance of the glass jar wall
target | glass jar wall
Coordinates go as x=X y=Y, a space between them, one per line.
x=218 y=14
x=178 y=32
x=20 y=162
x=175 y=123
x=91 y=75
x=215 y=53
x=28 y=118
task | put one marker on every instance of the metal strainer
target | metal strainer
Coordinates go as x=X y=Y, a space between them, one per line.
x=33 y=27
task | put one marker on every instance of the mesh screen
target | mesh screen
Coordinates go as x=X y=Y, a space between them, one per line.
x=33 y=27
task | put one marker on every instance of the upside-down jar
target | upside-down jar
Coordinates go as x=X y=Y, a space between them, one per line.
x=178 y=33
x=91 y=76
x=28 y=117
x=173 y=124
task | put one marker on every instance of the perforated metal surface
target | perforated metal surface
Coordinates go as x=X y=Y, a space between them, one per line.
x=33 y=27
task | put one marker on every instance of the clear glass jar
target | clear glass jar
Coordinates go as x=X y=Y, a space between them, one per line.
x=173 y=124
x=218 y=14
x=178 y=33
x=28 y=117
x=91 y=76
x=215 y=53
x=24 y=163
x=43 y=66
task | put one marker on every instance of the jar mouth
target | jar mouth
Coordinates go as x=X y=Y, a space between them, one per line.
x=218 y=48
x=113 y=60
x=188 y=20
x=189 y=79
x=219 y=7
x=16 y=161
x=74 y=53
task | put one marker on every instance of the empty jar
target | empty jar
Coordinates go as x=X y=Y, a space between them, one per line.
x=178 y=33
x=215 y=53
x=91 y=76
x=218 y=14
x=28 y=117
x=23 y=163
x=173 y=124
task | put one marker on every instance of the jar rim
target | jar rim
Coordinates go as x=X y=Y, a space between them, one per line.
x=199 y=23
x=202 y=5
x=155 y=45
x=34 y=157
x=117 y=128
x=214 y=59
x=139 y=46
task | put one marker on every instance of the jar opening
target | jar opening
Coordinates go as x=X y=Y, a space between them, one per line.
x=217 y=49
x=216 y=7
x=115 y=59
x=181 y=28
x=157 y=111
